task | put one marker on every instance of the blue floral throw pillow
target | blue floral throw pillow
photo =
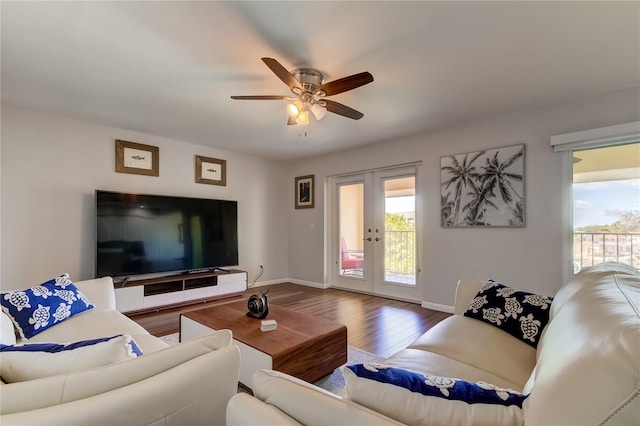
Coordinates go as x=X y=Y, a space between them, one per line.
x=415 y=398
x=519 y=313
x=35 y=309
x=441 y=387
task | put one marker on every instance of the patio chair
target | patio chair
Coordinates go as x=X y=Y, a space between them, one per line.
x=352 y=260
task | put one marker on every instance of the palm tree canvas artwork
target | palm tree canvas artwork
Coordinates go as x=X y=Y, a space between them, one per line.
x=483 y=189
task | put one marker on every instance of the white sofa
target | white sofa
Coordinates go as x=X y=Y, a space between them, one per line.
x=585 y=370
x=186 y=384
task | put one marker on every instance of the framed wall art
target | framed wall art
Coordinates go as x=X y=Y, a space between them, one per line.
x=483 y=188
x=211 y=171
x=305 y=192
x=136 y=158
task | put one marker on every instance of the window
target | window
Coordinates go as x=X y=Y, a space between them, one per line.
x=602 y=201
x=606 y=206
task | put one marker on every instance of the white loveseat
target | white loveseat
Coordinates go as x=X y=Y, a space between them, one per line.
x=186 y=384
x=584 y=371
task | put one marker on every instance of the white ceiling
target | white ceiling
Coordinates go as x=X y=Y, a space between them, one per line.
x=168 y=68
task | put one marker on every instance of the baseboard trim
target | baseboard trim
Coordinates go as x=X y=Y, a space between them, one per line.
x=266 y=283
x=438 y=307
x=308 y=283
x=291 y=281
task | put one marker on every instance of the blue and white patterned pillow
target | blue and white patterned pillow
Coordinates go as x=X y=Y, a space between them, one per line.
x=35 y=309
x=415 y=398
x=34 y=360
x=519 y=313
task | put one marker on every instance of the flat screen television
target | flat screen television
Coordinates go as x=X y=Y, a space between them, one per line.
x=152 y=234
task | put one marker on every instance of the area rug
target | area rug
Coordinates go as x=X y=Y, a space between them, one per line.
x=334 y=382
x=171 y=339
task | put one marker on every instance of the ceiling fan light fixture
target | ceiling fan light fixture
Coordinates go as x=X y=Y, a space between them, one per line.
x=293 y=109
x=303 y=116
x=318 y=111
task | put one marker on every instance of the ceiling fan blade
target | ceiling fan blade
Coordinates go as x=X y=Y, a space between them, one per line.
x=260 y=97
x=340 y=109
x=344 y=84
x=291 y=121
x=282 y=73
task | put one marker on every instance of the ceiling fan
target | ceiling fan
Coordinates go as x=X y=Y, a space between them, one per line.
x=310 y=90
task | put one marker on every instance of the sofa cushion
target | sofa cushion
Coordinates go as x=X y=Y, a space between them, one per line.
x=519 y=313
x=36 y=360
x=35 y=309
x=414 y=398
x=91 y=324
x=100 y=291
x=458 y=338
x=425 y=362
x=96 y=323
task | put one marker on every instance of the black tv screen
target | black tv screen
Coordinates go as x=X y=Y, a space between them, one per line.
x=148 y=234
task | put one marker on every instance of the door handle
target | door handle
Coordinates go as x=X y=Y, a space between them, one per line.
x=378 y=238
x=368 y=238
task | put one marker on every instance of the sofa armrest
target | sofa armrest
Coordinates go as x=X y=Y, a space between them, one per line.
x=244 y=409
x=99 y=291
x=61 y=389
x=193 y=393
x=465 y=292
x=308 y=404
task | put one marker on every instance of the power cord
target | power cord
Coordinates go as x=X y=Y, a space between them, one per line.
x=258 y=276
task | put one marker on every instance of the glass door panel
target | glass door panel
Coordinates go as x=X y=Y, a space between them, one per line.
x=400 y=230
x=351 y=228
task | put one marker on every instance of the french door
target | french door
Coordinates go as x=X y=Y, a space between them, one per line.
x=375 y=233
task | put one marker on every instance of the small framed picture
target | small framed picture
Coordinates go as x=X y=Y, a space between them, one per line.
x=136 y=158
x=305 y=192
x=211 y=171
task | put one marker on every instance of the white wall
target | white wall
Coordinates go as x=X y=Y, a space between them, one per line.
x=51 y=165
x=0 y=194
x=528 y=258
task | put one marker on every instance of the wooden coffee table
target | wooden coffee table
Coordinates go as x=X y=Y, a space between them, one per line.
x=303 y=346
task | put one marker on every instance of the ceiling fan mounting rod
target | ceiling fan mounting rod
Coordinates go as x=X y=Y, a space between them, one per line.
x=310 y=79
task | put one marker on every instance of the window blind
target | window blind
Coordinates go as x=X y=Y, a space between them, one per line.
x=597 y=138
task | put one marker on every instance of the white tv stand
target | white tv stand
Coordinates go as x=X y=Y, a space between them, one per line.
x=154 y=294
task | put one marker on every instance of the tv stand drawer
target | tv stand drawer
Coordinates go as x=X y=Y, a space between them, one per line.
x=162 y=288
x=171 y=290
x=200 y=282
x=163 y=299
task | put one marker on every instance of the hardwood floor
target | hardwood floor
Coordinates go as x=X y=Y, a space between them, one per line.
x=375 y=324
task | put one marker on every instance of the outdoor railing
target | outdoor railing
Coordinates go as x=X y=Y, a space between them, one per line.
x=598 y=247
x=588 y=249
x=400 y=253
